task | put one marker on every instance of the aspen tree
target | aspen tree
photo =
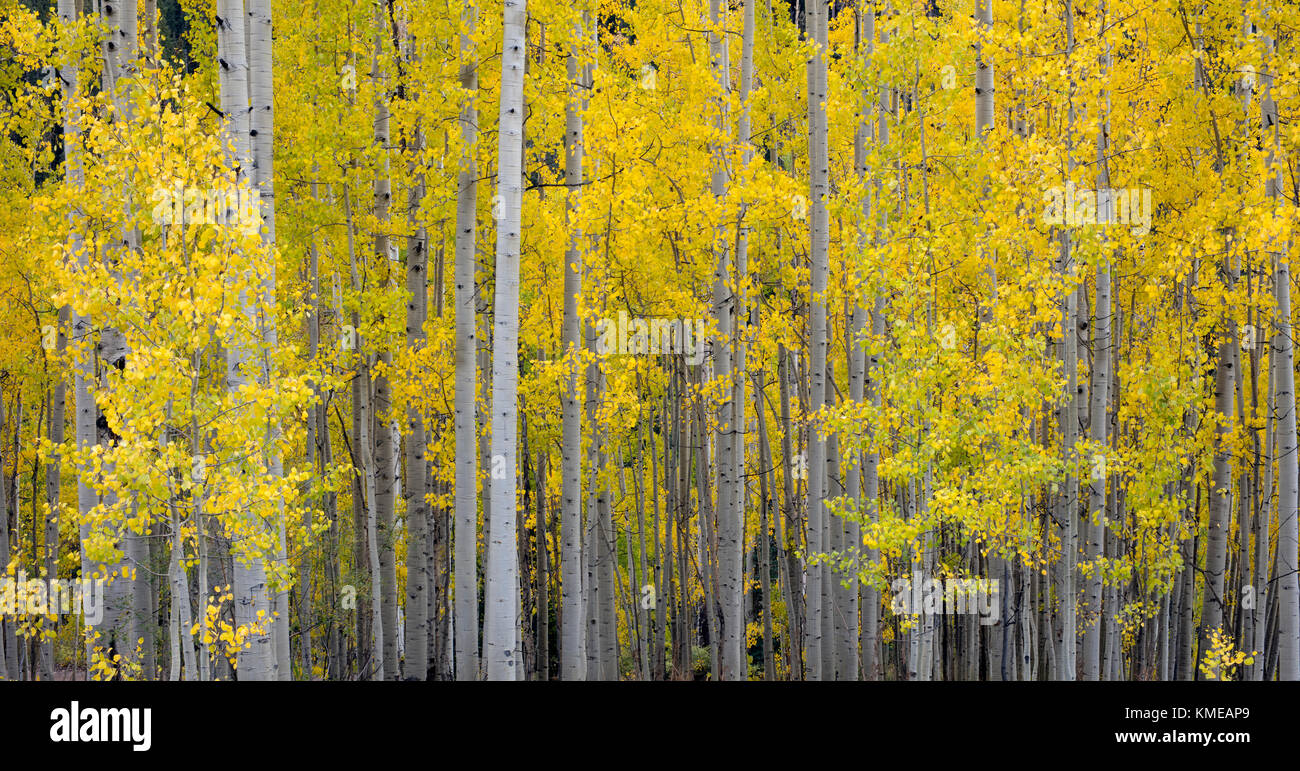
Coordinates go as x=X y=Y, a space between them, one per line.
x=69 y=74
x=8 y=638
x=1288 y=539
x=501 y=601
x=383 y=467
x=1099 y=391
x=252 y=599
x=466 y=520
x=419 y=575
x=819 y=254
x=261 y=92
x=1067 y=505
x=573 y=650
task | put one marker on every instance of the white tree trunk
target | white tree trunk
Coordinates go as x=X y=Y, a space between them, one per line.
x=466 y=518
x=384 y=456
x=1288 y=533
x=1067 y=503
x=724 y=307
x=8 y=639
x=1099 y=392
x=250 y=588
x=820 y=256
x=501 y=598
x=70 y=75
x=262 y=94
x=420 y=577
x=573 y=654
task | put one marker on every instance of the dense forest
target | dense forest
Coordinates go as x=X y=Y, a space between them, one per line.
x=648 y=340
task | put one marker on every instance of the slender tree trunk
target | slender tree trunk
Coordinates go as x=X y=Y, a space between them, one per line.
x=724 y=308
x=1067 y=503
x=501 y=604
x=180 y=616
x=382 y=400
x=418 y=578
x=316 y=437
x=1099 y=409
x=368 y=445
x=543 y=623
x=261 y=92
x=662 y=555
x=252 y=598
x=767 y=513
x=466 y=520
x=1216 y=541
x=8 y=639
x=573 y=654
x=1288 y=533
x=817 y=669
x=83 y=404
x=67 y=12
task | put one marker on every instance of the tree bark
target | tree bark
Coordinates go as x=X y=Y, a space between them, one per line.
x=466 y=519
x=252 y=598
x=573 y=654
x=501 y=603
